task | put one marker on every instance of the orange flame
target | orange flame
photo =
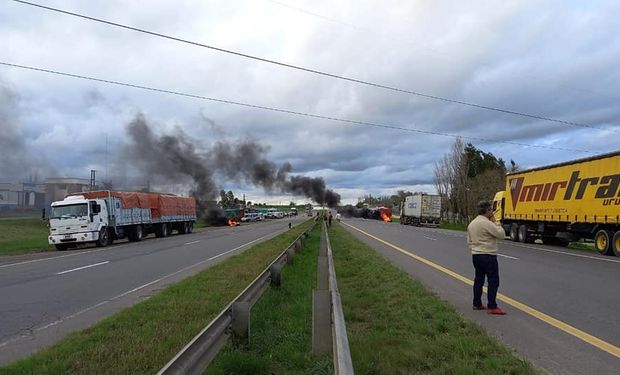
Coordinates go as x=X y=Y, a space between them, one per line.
x=232 y=223
x=385 y=217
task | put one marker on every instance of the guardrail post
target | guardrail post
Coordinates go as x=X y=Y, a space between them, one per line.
x=289 y=255
x=321 y=322
x=241 y=323
x=275 y=272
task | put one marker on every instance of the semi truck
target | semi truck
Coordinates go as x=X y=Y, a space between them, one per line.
x=564 y=202
x=421 y=210
x=103 y=216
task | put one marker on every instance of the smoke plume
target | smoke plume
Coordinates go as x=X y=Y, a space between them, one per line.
x=15 y=160
x=175 y=158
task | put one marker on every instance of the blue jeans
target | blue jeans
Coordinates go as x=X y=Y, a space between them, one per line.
x=486 y=265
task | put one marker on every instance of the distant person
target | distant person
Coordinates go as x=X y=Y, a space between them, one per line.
x=329 y=219
x=289 y=225
x=482 y=235
x=338 y=217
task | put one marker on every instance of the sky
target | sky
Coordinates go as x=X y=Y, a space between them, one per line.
x=554 y=59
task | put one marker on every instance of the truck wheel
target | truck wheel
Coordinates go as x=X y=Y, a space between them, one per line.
x=616 y=244
x=183 y=227
x=514 y=232
x=104 y=238
x=523 y=235
x=190 y=227
x=61 y=247
x=603 y=242
x=136 y=233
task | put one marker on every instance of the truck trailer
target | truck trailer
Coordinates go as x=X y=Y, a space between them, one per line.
x=564 y=202
x=103 y=216
x=421 y=210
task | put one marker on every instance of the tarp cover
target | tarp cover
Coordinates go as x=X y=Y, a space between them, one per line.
x=160 y=204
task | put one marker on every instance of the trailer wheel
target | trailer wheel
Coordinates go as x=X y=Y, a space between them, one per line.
x=183 y=227
x=190 y=227
x=136 y=233
x=603 y=242
x=523 y=235
x=104 y=238
x=163 y=230
x=514 y=232
x=616 y=244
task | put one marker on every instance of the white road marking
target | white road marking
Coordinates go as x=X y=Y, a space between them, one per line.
x=566 y=253
x=53 y=258
x=430 y=238
x=136 y=289
x=193 y=242
x=507 y=256
x=83 y=267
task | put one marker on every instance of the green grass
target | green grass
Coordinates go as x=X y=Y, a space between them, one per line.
x=23 y=235
x=453 y=226
x=582 y=246
x=143 y=338
x=281 y=325
x=396 y=326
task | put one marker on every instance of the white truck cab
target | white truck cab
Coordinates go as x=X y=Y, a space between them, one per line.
x=77 y=220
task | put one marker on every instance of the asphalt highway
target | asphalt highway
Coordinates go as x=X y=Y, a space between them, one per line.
x=45 y=296
x=563 y=305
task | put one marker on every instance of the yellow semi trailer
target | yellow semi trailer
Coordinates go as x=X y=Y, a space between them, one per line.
x=564 y=202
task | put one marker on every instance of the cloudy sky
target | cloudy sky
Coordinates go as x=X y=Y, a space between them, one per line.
x=556 y=59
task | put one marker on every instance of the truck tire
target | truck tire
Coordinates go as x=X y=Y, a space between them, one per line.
x=136 y=233
x=183 y=227
x=163 y=230
x=190 y=227
x=616 y=244
x=61 y=246
x=603 y=242
x=523 y=236
x=514 y=232
x=104 y=238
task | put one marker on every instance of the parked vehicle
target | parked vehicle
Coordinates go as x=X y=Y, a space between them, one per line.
x=251 y=216
x=421 y=209
x=293 y=211
x=564 y=202
x=104 y=216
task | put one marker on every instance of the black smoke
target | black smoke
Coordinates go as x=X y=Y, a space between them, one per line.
x=16 y=161
x=175 y=158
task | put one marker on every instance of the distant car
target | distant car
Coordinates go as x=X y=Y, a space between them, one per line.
x=252 y=216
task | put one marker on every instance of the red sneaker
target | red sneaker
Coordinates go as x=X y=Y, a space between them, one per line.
x=481 y=307
x=496 y=311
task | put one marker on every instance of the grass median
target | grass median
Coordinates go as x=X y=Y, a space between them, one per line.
x=281 y=325
x=23 y=235
x=143 y=338
x=396 y=326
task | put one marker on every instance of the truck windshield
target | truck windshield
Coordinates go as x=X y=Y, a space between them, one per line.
x=69 y=211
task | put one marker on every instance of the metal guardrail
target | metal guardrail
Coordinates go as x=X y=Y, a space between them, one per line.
x=233 y=321
x=329 y=331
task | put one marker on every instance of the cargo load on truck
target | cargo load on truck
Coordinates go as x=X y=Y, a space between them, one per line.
x=421 y=210
x=564 y=202
x=104 y=216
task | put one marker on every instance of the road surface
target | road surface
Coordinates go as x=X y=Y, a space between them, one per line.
x=563 y=305
x=46 y=296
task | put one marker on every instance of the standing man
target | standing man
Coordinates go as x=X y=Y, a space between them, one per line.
x=482 y=235
x=329 y=219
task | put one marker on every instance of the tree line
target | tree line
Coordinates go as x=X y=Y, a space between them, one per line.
x=466 y=175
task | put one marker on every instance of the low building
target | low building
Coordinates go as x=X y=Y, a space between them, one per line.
x=57 y=188
x=21 y=196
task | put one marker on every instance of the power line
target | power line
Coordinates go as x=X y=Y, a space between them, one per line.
x=287 y=111
x=314 y=71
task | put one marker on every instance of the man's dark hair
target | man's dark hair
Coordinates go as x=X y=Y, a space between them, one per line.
x=483 y=207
